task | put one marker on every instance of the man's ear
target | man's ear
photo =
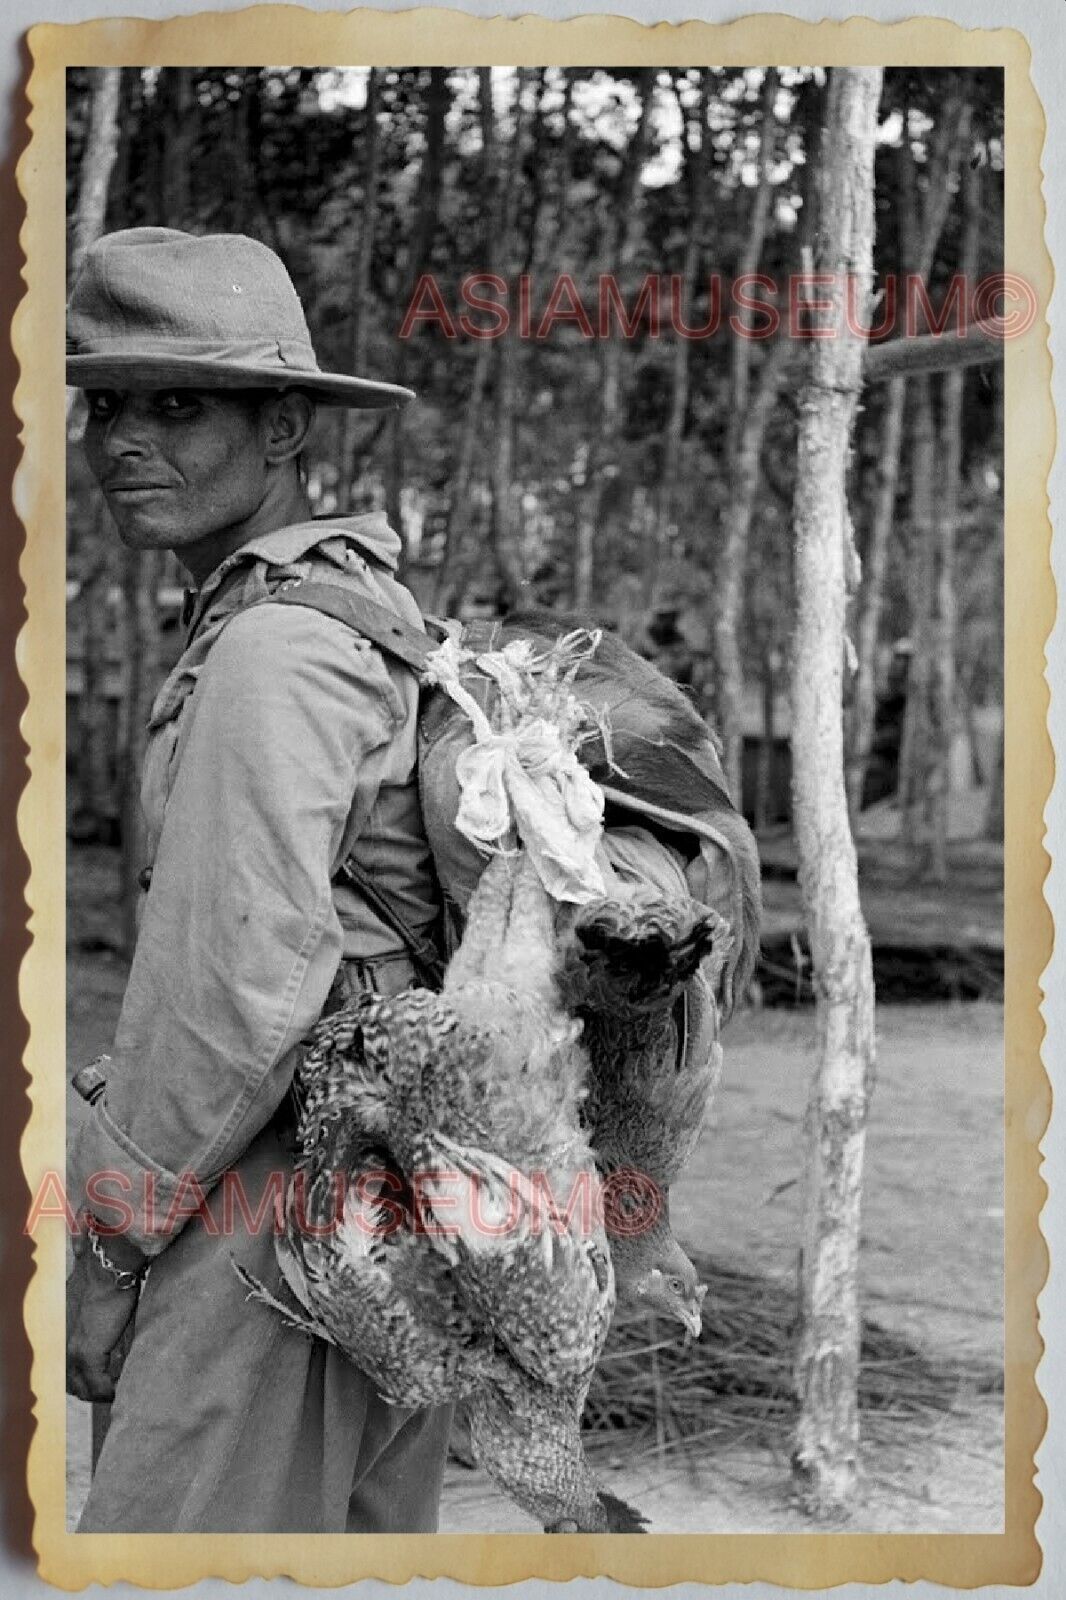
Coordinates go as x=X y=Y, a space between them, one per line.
x=288 y=419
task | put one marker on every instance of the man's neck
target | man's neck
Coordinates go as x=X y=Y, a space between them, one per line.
x=280 y=508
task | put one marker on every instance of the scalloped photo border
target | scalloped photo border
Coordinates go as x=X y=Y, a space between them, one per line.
x=442 y=38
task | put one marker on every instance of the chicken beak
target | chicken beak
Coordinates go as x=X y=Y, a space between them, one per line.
x=693 y=1320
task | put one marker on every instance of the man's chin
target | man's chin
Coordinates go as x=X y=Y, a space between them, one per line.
x=141 y=533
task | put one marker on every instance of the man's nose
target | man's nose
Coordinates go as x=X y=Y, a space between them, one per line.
x=127 y=433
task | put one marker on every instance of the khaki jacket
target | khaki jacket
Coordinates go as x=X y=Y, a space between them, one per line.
x=279 y=744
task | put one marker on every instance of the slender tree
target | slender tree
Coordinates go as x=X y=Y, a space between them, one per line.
x=98 y=160
x=502 y=450
x=419 y=250
x=747 y=426
x=451 y=577
x=623 y=242
x=94 y=806
x=697 y=175
x=364 y=229
x=827 y=1350
x=875 y=553
x=915 y=736
x=944 y=625
x=917 y=758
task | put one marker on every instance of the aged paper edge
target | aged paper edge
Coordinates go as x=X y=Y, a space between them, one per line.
x=438 y=37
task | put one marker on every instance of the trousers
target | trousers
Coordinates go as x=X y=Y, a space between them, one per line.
x=227 y=1421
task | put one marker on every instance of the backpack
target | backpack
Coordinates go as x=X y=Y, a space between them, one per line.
x=662 y=770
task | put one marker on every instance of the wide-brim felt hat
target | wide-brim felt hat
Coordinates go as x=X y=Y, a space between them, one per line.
x=156 y=308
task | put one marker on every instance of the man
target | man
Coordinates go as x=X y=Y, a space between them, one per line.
x=281 y=745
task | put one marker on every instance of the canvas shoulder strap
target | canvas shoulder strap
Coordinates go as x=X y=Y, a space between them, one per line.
x=413 y=646
x=407 y=643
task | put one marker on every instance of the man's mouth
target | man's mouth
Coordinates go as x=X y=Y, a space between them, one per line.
x=133 y=489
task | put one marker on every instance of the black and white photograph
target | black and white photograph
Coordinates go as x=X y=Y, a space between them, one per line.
x=535 y=799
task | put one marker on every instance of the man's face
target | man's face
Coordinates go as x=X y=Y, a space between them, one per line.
x=177 y=466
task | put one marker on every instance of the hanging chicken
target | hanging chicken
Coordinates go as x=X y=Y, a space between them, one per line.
x=429 y=1227
x=641 y=975
x=431 y=1230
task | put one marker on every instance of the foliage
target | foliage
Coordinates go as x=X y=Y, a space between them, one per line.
x=282 y=153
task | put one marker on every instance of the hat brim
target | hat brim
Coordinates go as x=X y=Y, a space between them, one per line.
x=193 y=372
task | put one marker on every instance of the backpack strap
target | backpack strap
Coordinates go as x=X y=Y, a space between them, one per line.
x=413 y=646
x=402 y=640
x=425 y=957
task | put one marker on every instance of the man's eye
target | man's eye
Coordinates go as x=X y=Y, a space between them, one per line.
x=177 y=403
x=101 y=404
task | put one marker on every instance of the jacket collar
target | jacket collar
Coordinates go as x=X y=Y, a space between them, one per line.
x=370 y=534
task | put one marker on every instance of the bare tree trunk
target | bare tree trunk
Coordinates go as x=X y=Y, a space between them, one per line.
x=765 y=766
x=451 y=578
x=97 y=167
x=97 y=162
x=920 y=237
x=364 y=229
x=875 y=564
x=827 y=1352
x=175 y=133
x=994 y=812
x=394 y=482
x=914 y=745
x=94 y=812
x=733 y=556
x=943 y=641
x=418 y=254
x=743 y=447
x=697 y=163
x=501 y=522
x=603 y=452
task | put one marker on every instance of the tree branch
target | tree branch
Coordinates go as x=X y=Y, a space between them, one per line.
x=933 y=352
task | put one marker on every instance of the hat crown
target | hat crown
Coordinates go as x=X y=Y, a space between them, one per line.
x=162 y=291
x=154 y=308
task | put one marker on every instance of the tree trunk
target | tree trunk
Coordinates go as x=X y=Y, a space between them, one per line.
x=175 y=135
x=97 y=167
x=747 y=425
x=101 y=148
x=765 y=764
x=875 y=564
x=451 y=579
x=914 y=744
x=97 y=164
x=827 y=1352
x=95 y=812
x=603 y=452
x=364 y=229
x=697 y=163
x=732 y=559
x=918 y=764
x=417 y=260
x=502 y=535
x=994 y=812
x=394 y=482
x=943 y=708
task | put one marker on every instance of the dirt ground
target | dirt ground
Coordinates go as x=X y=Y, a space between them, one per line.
x=932 y=1260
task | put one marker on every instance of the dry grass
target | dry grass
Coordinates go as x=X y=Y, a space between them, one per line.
x=673 y=1394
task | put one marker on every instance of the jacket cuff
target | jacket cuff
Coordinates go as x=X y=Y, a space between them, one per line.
x=140 y=1207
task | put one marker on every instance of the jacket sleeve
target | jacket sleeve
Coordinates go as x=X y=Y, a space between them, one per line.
x=239 y=943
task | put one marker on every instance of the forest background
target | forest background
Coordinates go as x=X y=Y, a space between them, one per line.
x=646 y=477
